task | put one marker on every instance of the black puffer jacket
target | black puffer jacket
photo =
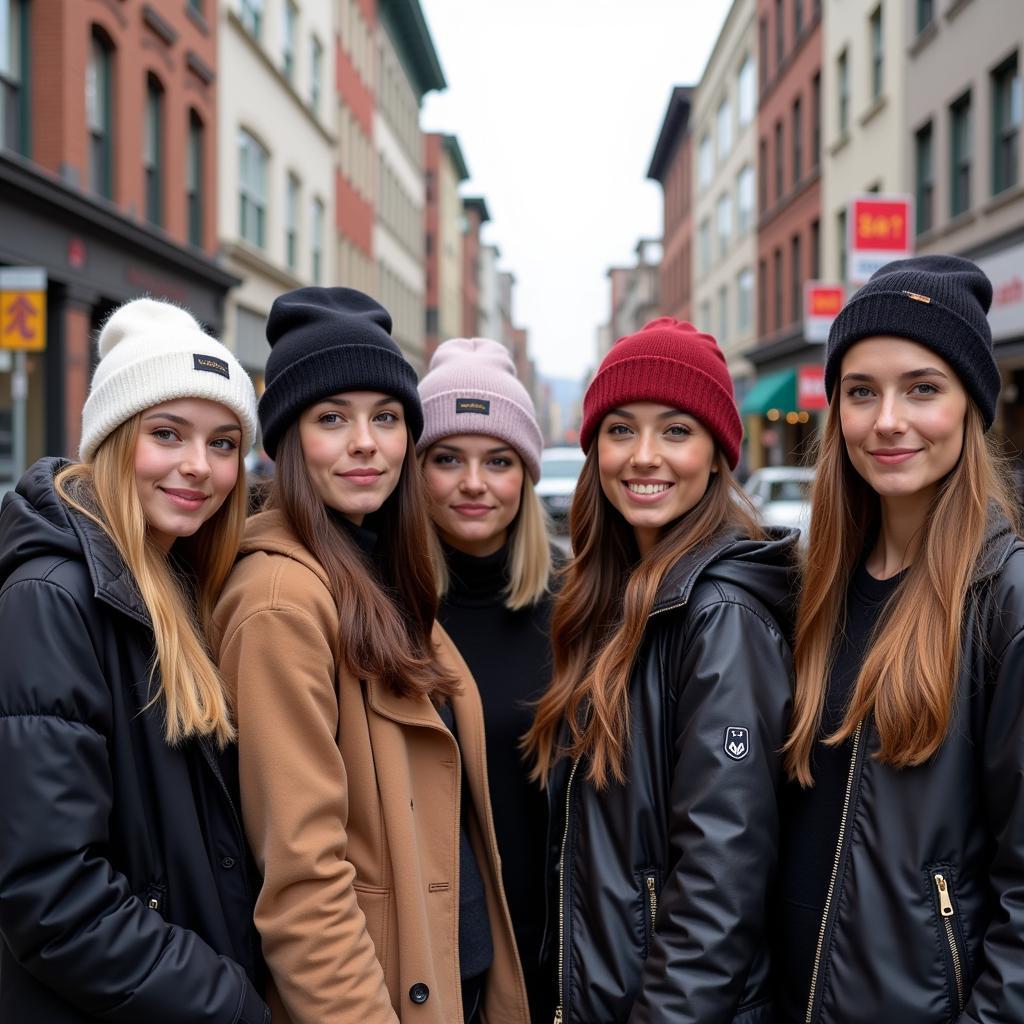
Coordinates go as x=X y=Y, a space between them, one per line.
x=124 y=889
x=660 y=913
x=893 y=947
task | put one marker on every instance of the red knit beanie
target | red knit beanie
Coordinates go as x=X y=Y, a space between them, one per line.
x=670 y=362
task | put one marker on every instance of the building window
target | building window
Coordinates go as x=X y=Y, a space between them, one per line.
x=723 y=218
x=762 y=297
x=762 y=49
x=798 y=141
x=291 y=18
x=744 y=300
x=960 y=155
x=843 y=243
x=723 y=125
x=843 y=93
x=250 y=13
x=778 y=161
x=924 y=178
x=796 y=282
x=98 y=113
x=704 y=246
x=780 y=34
x=744 y=200
x=746 y=90
x=762 y=175
x=152 y=150
x=317 y=240
x=14 y=74
x=777 y=286
x=291 y=222
x=815 y=249
x=1006 y=118
x=816 y=120
x=723 y=314
x=798 y=18
x=877 y=54
x=925 y=14
x=704 y=162
x=316 y=68
x=252 y=190
x=194 y=179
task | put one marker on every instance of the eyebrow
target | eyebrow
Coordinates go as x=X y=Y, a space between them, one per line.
x=345 y=403
x=926 y=371
x=459 y=451
x=667 y=414
x=181 y=421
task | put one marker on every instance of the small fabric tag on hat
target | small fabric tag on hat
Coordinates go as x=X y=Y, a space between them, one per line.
x=477 y=405
x=917 y=297
x=211 y=364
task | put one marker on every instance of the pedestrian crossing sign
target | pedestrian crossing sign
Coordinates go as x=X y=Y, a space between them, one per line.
x=23 y=309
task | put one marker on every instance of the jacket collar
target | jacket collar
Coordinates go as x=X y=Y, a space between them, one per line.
x=679 y=581
x=1000 y=543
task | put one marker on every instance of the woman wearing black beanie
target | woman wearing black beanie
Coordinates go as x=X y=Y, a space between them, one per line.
x=361 y=739
x=902 y=882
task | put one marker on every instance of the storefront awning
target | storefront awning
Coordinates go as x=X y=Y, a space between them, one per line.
x=776 y=391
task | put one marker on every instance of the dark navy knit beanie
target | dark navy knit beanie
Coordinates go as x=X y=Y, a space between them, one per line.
x=940 y=302
x=324 y=341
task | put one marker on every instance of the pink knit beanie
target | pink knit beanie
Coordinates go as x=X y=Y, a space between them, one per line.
x=471 y=388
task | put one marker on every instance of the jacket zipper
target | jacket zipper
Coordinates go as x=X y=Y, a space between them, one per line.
x=561 y=898
x=652 y=900
x=946 y=908
x=835 y=874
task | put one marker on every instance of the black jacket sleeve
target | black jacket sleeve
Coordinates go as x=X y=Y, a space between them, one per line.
x=68 y=917
x=998 y=993
x=733 y=680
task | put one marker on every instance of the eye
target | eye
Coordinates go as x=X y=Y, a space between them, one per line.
x=224 y=444
x=444 y=459
x=619 y=430
x=329 y=419
x=678 y=430
x=924 y=388
x=387 y=417
x=501 y=462
x=165 y=434
x=859 y=391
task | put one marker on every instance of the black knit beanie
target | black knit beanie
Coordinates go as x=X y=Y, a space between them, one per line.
x=940 y=302
x=324 y=341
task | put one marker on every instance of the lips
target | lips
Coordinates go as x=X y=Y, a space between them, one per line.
x=472 y=511
x=185 y=498
x=893 y=456
x=363 y=477
x=646 y=492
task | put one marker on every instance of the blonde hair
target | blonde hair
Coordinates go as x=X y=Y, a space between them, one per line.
x=909 y=674
x=191 y=690
x=529 y=561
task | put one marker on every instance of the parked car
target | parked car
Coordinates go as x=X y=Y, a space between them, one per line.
x=781 y=495
x=559 y=471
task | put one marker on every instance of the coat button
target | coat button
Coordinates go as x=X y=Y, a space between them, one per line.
x=419 y=993
x=227 y=862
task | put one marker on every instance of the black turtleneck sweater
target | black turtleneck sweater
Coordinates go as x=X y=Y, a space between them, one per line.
x=509 y=654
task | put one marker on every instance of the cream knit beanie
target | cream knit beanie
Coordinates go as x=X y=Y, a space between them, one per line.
x=153 y=352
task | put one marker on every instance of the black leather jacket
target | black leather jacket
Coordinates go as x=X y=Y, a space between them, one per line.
x=125 y=892
x=660 y=913
x=897 y=945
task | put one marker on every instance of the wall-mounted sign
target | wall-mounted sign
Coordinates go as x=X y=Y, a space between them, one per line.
x=822 y=302
x=880 y=229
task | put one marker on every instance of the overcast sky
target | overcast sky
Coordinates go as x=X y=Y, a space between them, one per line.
x=557 y=106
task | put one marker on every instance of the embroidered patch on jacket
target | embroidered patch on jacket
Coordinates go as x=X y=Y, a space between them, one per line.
x=737 y=742
x=477 y=405
x=211 y=364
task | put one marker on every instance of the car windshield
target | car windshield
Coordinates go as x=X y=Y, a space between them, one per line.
x=789 y=490
x=552 y=469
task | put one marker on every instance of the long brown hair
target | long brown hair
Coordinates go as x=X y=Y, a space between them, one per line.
x=387 y=609
x=909 y=674
x=190 y=690
x=600 y=616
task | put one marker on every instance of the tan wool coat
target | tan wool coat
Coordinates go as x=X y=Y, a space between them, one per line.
x=351 y=802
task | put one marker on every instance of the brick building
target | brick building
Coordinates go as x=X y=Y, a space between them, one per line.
x=475 y=215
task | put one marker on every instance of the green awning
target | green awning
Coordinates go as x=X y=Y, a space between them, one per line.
x=776 y=391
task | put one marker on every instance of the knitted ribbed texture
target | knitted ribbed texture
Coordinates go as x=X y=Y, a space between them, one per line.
x=153 y=352
x=325 y=341
x=670 y=362
x=940 y=302
x=471 y=388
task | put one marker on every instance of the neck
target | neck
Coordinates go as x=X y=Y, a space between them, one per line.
x=899 y=535
x=475 y=548
x=646 y=538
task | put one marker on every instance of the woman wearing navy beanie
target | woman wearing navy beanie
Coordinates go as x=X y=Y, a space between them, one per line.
x=902 y=883
x=658 y=739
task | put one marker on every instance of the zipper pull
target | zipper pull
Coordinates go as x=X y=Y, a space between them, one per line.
x=945 y=904
x=558 y=1015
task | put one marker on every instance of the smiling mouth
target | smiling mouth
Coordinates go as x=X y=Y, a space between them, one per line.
x=638 y=487
x=185 y=499
x=894 y=455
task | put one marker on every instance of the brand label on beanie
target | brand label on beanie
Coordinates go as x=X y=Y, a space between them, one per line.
x=478 y=405
x=211 y=364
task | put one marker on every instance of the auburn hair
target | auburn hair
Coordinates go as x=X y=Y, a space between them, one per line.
x=386 y=606
x=529 y=557
x=909 y=674
x=600 y=616
x=180 y=604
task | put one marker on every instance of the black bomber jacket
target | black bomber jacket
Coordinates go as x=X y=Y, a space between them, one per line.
x=659 y=913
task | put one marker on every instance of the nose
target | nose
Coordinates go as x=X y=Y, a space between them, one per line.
x=196 y=461
x=472 y=481
x=645 y=451
x=362 y=440
x=889 y=420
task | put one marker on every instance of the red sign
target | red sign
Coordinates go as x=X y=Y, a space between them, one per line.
x=825 y=301
x=810 y=388
x=880 y=229
x=822 y=303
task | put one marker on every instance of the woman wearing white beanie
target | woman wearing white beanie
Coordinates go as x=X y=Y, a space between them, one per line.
x=124 y=881
x=480 y=451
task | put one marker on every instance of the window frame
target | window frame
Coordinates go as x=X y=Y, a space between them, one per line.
x=924 y=185
x=1005 y=130
x=153 y=147
x=960 y=155
x=253 y=163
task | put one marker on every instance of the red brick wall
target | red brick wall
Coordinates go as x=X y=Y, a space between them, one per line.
x=676 y=269
x=470 y=283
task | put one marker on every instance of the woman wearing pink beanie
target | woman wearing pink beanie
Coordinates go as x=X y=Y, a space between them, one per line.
x=480 y=451
x=658 y=739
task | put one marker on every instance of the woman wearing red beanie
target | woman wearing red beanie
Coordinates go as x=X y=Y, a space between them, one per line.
x=658 y=739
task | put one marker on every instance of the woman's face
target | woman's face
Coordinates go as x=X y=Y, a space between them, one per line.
x=902 y=411
x=475 y=485
x=353 y=445
x=655 y=463
x=186 y=463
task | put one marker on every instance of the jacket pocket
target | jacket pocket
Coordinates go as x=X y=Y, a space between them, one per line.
x=375 y=903
x=650 y=885
x=942 y=883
